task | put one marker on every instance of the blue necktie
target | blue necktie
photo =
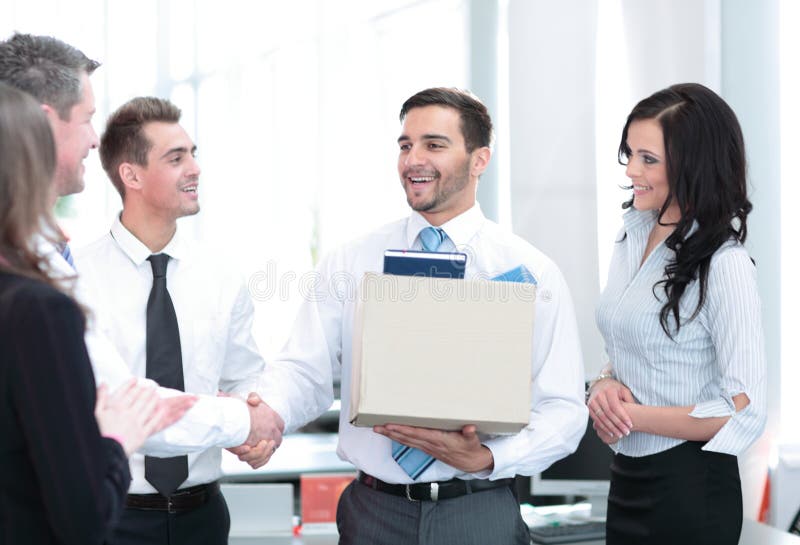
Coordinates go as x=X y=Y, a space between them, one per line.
x=431 y=238
x=67 y=255
x=412 y=460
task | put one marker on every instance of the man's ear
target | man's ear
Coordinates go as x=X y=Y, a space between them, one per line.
x=480 y=160
x=50 y=112
x=129 y=176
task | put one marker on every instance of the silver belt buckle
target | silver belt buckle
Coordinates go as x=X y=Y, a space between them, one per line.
x=434 y=492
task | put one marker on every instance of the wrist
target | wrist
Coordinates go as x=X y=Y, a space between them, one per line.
x=604 y=374
x=116 y=437
x=487 y=463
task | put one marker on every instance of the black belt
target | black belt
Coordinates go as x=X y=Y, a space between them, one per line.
x=443 y=490
x=183 y=500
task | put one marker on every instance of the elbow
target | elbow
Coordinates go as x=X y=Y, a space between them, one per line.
x=740 y=401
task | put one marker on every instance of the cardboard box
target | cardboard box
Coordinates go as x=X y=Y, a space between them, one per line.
x=442 y=353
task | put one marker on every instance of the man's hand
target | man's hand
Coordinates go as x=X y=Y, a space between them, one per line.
x=610 y=419
x=460 y=449
x=266 y=433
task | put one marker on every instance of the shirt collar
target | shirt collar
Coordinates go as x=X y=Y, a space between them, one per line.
x=135 y=249
x=461 y=229
x=639 y=219
x=646 y=219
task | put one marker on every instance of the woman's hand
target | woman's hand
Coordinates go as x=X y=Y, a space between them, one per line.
x=134 y=412
x=610 y=419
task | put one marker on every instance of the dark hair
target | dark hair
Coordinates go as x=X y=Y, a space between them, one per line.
x=706 y=171
x=27 y=165
x=124 y=139
x=46 y=68
x=476 y=125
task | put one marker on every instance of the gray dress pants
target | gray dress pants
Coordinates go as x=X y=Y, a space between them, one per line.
x=369 y=517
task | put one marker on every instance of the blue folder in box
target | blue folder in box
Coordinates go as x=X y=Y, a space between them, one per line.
x=517 y=274
x=432 y=264
x=443 y=265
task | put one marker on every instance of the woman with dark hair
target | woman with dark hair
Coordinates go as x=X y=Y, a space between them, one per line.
x=683 y=393
x=63 y=467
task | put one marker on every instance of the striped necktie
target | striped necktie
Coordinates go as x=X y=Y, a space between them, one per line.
x=412 y=460
x=67 y=254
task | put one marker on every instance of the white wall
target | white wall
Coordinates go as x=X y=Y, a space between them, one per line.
x=551 y=131
x=569 y=95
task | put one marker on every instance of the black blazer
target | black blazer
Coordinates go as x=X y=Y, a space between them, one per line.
x=60 y=481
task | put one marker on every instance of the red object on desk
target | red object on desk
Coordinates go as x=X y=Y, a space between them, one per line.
x=319 y=495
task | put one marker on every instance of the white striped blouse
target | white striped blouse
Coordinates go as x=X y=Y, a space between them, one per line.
x=718 y=354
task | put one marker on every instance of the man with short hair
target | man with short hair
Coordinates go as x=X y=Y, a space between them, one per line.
x=57 y=75
x=173 y=310
x=444 y=147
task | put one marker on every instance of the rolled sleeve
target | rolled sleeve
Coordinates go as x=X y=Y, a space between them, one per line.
x=737 y=334
x=714 y=409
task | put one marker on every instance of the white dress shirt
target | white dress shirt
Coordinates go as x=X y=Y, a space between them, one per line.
x=718 y=354
x=212 y=421
x=558 y=414
x=215 y=316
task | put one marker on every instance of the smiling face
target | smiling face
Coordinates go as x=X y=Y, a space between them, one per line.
x=167 y=186
x=647 y=168
x=437 y=172
x=74 y=138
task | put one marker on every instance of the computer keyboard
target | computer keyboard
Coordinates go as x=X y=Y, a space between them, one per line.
x=568 y=533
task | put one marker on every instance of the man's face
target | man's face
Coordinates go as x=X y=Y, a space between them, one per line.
x=438 y=174
x=169 y=183
x=74 y=138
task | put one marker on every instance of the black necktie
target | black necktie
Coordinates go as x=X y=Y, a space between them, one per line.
x=165 y=366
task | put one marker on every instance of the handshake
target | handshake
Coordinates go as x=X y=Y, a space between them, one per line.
x=266 y=433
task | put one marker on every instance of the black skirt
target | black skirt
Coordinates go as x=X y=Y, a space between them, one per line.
x=682 y=496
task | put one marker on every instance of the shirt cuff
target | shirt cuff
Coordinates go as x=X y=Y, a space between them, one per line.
x=237 y=418
x=280 y=406
x=721 y=407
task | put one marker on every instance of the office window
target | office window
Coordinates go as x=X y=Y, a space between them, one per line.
x=293 y=106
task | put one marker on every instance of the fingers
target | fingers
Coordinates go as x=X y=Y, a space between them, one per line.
x=607 y=410
x=259 y=455
x=605 y=437
x=626 y=395
x=144 y=402
x=469 y=431
x=612 y=415
x=253 y=399
x=102 y=399
x=173 y=409
x=607 y=421
x=434 y=442
x=238 y=451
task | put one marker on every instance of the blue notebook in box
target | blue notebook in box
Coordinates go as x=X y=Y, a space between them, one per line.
x=415 y=263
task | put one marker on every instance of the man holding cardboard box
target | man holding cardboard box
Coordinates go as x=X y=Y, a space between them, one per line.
x=463 y=494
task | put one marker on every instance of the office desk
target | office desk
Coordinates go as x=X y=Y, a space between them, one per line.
x=316 y=453
x=753 y=533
